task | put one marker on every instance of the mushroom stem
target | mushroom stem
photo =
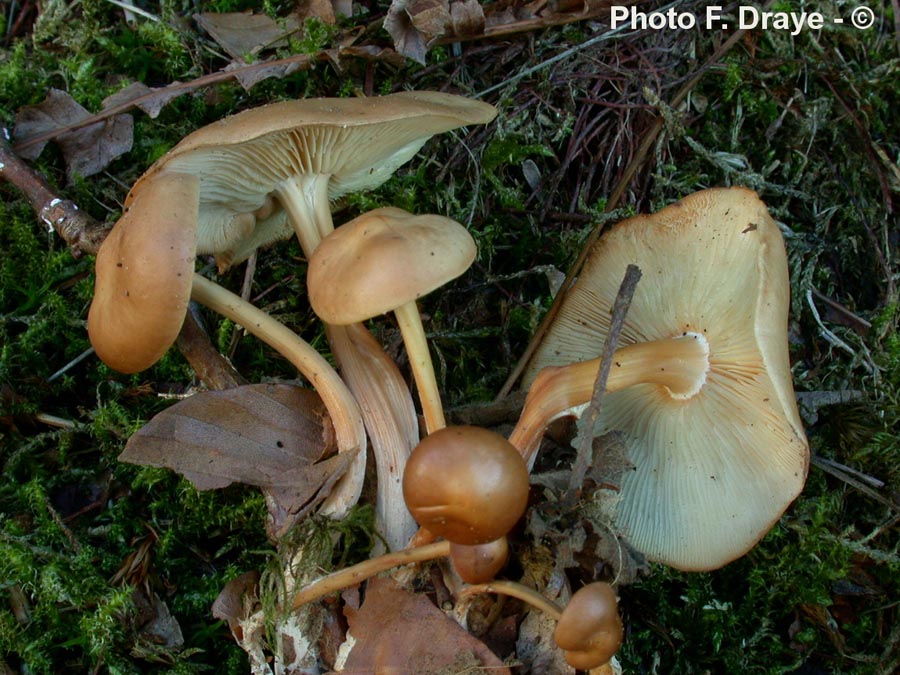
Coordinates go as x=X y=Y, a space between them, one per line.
x=341 y=405
x=416 y=344
x=305 y=198
x=678 y=365
x=358 y=573
x=515 y=590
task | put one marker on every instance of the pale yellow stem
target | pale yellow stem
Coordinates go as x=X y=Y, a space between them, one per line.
x=414 y=340
x=678 y=364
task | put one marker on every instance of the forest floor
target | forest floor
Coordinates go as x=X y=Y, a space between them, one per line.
x=594 y=124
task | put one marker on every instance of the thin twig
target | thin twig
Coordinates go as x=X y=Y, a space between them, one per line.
x=585 y=448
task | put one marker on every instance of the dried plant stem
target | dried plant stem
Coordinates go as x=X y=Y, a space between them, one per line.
x=585 y=448
x=518 y=591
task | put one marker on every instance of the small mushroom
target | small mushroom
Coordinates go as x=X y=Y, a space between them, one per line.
x=479 y=564
x=589 y=628
x=466 y=484
x=701 y=388
x=383 y=261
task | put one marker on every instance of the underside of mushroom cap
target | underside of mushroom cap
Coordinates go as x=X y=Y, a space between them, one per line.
x=356 y=142
x=144 y=271
x=712 y=472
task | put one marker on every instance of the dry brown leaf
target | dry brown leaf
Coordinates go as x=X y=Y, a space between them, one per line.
x=237 y=600
x=414 y=24
x=402 y=633
x=323 y=10
x=248 y=77
x=272 y=436
x=87 y=150
x=149 y=100
x=243 y=34
x=467 y=17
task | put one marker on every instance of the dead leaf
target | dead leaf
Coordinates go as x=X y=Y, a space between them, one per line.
x=149 y=100
x=272 y=436
x=250 y=76
x=467 y=17
x=237 y=601
x=87 y=150
x=323 y=10
x=243 y=34
x=399 y=632
x=414 y=24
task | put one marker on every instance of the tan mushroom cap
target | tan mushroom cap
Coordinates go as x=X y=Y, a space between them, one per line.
x=713 y=471
x=382 y=260
x=144 y=275
x=357 y=143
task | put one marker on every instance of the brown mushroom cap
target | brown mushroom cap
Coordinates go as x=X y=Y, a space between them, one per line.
x=466 y=484
x=590 y=630
x=382 y=260
x=714 y=470
x=479 y=564
x=356 y=142
x=144 y=275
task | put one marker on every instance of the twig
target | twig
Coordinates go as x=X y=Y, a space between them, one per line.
x=585 y=448
x=79 y=230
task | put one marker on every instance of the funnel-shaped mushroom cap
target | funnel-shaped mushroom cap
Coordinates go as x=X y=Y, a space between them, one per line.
x=144 y=275
x=715 y=470
x=384 y=259
x=356 y=142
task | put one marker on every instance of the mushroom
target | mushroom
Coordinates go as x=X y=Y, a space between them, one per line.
x=247 y=180
x=382 y=261
x=479 y=564
x=701 y=389
x=589 y=628
x=466 y=484
x=250 y=179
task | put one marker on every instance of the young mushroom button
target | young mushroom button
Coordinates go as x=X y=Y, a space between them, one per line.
x=700 y=389
x=466 y=484
x=383 y=261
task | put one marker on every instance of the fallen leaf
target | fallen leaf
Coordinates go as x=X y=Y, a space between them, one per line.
x=237 y=600
x=147 y=99
x=243 y=34
x=467 y=17
x=414 y=24
x=87 y=150
x=250 y=76
x=400 y=632
x=323 y=10
x=276 y=437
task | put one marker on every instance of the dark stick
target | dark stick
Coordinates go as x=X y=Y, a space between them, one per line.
x=619 y=312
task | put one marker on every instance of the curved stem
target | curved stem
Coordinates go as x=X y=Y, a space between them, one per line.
x=305 y=198
x=350 y=576
x=342 y=407
x=516 y=590
x=422 y=367
x=678 y=364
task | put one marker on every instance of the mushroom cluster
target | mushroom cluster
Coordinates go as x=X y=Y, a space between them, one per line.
x=700 y=388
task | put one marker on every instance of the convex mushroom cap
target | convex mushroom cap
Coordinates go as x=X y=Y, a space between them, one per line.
x=590 y=630
x=251 y=170
x=466 y=484
x=383 y=261
x=701 y=389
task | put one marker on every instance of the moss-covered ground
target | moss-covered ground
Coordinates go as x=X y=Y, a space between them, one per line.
x=810 y=121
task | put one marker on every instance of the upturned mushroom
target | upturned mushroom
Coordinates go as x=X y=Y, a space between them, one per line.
x=701 y=390
x=383 y=261
x=466 y=484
